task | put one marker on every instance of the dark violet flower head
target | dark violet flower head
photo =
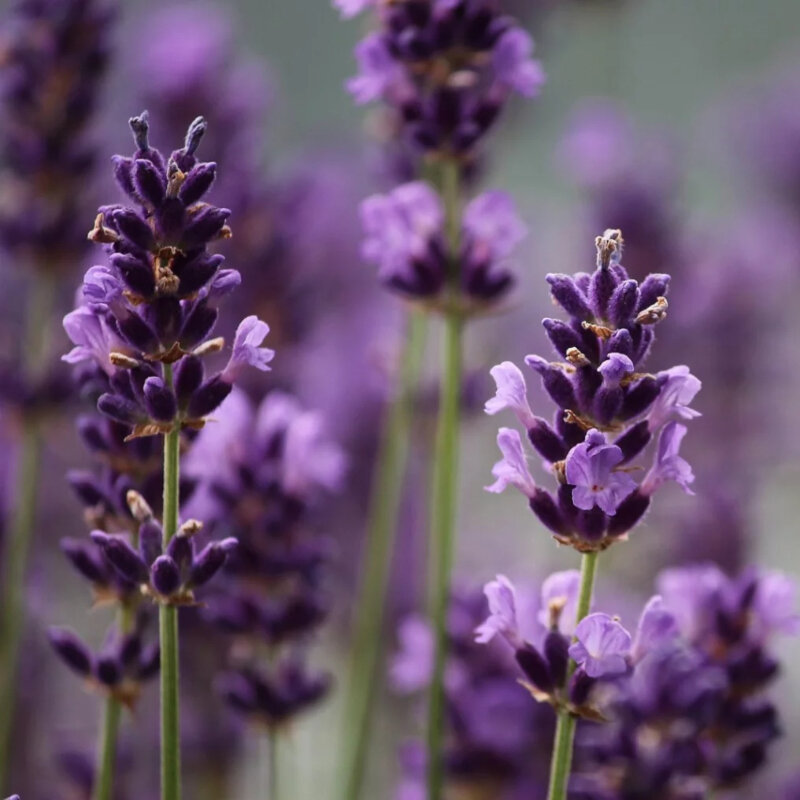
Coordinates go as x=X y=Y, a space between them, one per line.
x=691 y=714
x=405 y=238
x=443 y=70
x=149 y=314
x=608 y=407
x=54 y=58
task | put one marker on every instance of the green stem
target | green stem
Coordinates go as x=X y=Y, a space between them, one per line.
x=386 y=493
x=15 y=558
x=561 y=763
x=271 y=782
x=444 y=497
x=168 y=628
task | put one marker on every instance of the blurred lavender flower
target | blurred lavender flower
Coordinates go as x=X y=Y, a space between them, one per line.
x=608 y=408
x=261 y=492
x=496 y=746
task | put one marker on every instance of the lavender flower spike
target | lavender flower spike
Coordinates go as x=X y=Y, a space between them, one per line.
x=601 y=647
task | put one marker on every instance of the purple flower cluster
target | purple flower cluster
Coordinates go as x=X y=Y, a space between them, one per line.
x=444 y=69
x=609 y=410
x=54 y=55
x=155 y=303
x=495 y=743
x=405 y=238
x=683 y=709
x=692 y=716
x=262 y=493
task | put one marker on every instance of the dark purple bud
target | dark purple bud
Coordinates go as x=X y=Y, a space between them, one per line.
x=150 y=662
x=198 y=324
x=137 y=274
x=188 y=378
x=580 y=687
x=208 y=397
x=86 y=486
x=639 y=397
x=546 y=441
x=621 y=342
x=624 y=303
x=535 y=668
x=587 y=380
x=149 y=182
x=545 y=508
x=561 y=336
x=634 y=440
x=653 y=287
x=556 y=647
x=591 y=524
x=160 y=401
x=91 y=433
x=130 y=649
x=555 y=381
x=607 y=403
x=123 y=169
x=150 y=535
x=86 y=560
x=238 y=692
x=71 y=649
x=134 y=228
x=166 y=315
x=204 y=226
x=121 y=556
x=198 y=181
x=165 y=576
x=197 y=273
x=569 y=296
x=137 y=332
x=119 y=408
x=180 y=550
x=601 y=288
x=210 y=561
x=107 y=670
x=629 y=512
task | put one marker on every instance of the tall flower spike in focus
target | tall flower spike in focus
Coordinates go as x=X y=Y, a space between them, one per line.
x=146 y=327
x=443 y=72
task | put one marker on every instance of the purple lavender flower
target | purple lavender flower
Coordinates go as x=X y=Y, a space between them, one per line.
x=405 y=238
x=608 y=407
x=502 y=613
x=560 y=601
x=602 y=646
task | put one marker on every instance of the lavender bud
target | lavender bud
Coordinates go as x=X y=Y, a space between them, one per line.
x=160 y=401
x=210 y=561
x=119 y=408
x=566 y=293
x=556 y=647
x=150 y=536
x=546 y=441
x=208 y=397
x=149 y=662
x=623 y=303
x=86 y=560
x=121 y=556
x=107 y=670
x=149 y=182
x=535 y=668
x=580 y=687
x=198 y=181
x=165 y=576
x=71 y=649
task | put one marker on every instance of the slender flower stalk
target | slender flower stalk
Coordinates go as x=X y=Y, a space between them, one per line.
x=561 y=764
x=385 y=500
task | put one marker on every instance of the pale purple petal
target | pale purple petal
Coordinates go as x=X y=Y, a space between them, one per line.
x=311 y=460
x=601 y=647
x=378 y=71
x=616 y=367
x=775 y=605
x=511 y=393
x=512 y=469
x=668 y=464
x=688 y=594
x=493 y=226
x=561 y=588
x=672 y=403
x=656 y=627
x=513 y=64
x=247 y=349
x=412 y=665
x=502 y=613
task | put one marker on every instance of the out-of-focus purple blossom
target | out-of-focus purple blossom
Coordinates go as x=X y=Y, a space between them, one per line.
x=608 y=406
x=405 y=238
x=502 y=613
x=656 y=627
x=601 y=646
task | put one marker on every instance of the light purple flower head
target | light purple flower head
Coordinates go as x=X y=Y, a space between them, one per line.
x=775 y=605
x=514 y=67
x=656 y=627
x=668 y=464
x=352 y=8
x=412 y=665
x=511 y=393
x=379 y=72
x=512 y=468
x=590 y=470
x=560 y=593
x=602 y=646
x=493 y=226
x=93 y=339
x=502 y=619
x=398 y=226
x=615 y=368
x=672 y=403
x=247 y=349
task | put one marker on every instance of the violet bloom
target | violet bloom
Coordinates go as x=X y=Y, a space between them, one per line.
x=514 y=65
x=512 y=469
x=609 y=407
x=657 y=626
x=405 y=238
x=590 y=471
x=560 y=600
x=502 y=619
x=378 y=73
x=602 y=646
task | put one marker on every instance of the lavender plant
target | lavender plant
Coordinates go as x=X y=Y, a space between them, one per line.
x=147 y=322
x=678 y=710
x=54 y=57
x=608 y=411
x=444 y=72
x=274 y=597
